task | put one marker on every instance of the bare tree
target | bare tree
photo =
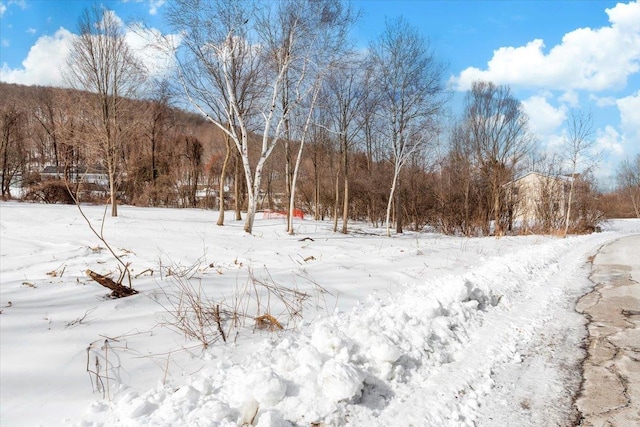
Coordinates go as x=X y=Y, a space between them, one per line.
x=498 y=132
x=409 y=79
x=325 y=46
x=579 y=152
x=12 y=152
x=159 y=124
x=347 y=91
x=49 y=118
x=458 y=171
x=193 y=163
x=629 y=181
x=237 y=58
x=102 y=63
x=372 y=137
x=304 y=134
x=320 y=154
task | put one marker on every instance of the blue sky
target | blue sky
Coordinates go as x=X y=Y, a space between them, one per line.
x=555 y=55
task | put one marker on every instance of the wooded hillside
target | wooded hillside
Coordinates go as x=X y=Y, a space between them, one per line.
x=174 y=158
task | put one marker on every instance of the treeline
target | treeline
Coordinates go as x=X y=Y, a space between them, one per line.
x=168 y=152
x=175 y=158
x=289 y=117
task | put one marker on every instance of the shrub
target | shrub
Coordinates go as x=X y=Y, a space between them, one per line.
x=50 y=192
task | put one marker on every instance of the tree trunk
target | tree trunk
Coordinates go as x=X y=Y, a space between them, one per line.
x=465 y=226
x=497 y=227
x=392 y=193
x=248 y=223
x=398 y=209
x=288 y=176
x=254 y=191
x=112 y=193
x=345 y=205
x=345 y=202
x=316 y=189
x=223 y=175
x=294 y=180
x=568 y=217
x=238 y=179
x=337 y=202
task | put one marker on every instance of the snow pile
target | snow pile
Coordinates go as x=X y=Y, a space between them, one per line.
x=351 y=365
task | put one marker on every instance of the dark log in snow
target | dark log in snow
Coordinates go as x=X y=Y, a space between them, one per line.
x=119 y=291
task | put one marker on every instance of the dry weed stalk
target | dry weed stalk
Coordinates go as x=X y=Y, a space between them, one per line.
x=104 y=361
x=58 y=272
x=100 y=372
x=81 y=319
x=193 y=313
x=259 y=304
x=123 y=266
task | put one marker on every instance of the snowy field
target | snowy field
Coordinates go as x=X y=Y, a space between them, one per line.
x=412 y=330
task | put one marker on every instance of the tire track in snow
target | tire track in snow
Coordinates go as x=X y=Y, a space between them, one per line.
x=436 y=353
x=507 y=346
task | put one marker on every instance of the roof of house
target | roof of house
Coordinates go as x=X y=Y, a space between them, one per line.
x=58 y=170
x=558 y=177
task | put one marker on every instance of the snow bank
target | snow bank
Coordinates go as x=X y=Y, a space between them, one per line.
x=351 y=365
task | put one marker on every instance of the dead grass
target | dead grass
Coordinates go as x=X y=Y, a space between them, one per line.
x=256 y=304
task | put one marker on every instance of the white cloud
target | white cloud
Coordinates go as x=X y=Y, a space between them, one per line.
x=592 y=59
x=611 y=146
x=21 y=3
x=570 y=98
x=31 y=31
x=47 y=57
x=630 y=113
x=110 y=17
x=609 y=142
x=5 y=5
x=544 y=118
x=153 y=49
x=630 y=123
x=5 y=43
x=154 y=5
x=626 y=16
x=604 y=101
x=44 y=62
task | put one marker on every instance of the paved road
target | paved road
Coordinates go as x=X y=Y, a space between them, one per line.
x=610 y=394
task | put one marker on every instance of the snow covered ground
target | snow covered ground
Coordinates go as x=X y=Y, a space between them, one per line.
x=416 y=329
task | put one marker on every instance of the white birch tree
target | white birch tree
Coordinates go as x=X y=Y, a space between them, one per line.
x=410 y=81
x=235 y=59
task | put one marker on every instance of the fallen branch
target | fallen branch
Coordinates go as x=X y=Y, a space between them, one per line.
x=119 y=291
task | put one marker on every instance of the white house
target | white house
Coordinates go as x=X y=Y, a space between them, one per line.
x=93 y=175
x=539 y=199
